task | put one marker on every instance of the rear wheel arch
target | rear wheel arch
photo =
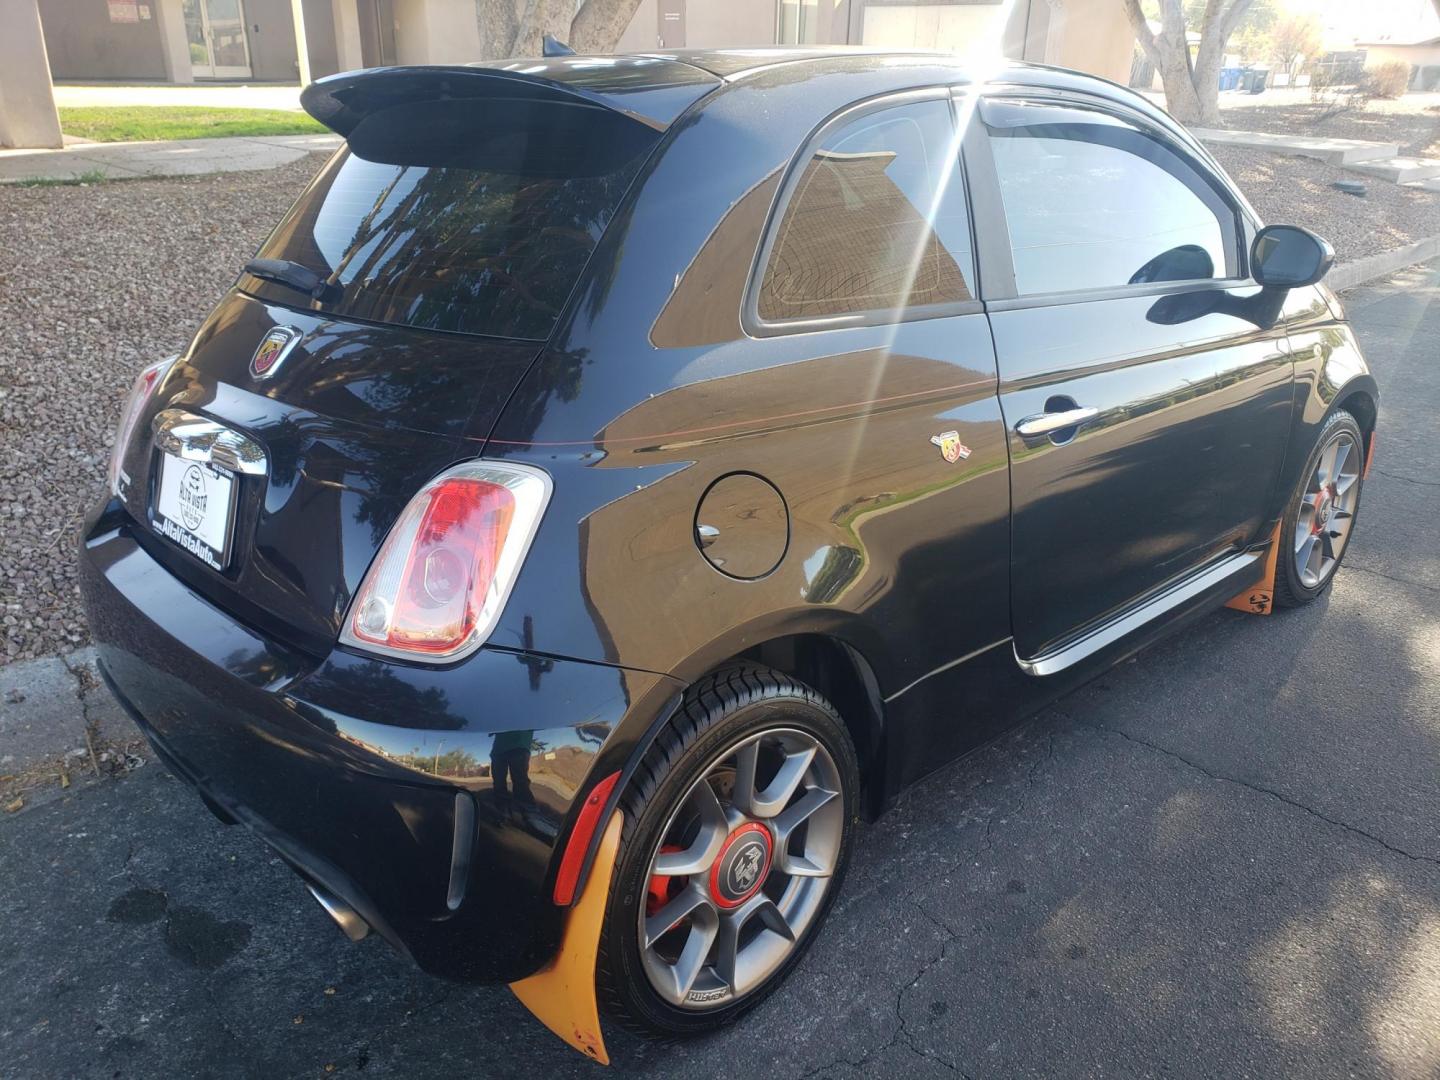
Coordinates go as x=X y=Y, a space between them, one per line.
x=841 y=674
x=832 y=667
x=839 y=671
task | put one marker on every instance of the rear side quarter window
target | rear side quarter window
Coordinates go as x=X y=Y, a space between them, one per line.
x=873 y=226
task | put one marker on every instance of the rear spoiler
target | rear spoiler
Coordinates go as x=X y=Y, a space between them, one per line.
x=650 y=90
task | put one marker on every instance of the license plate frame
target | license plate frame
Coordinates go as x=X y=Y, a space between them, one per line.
x=194 y=507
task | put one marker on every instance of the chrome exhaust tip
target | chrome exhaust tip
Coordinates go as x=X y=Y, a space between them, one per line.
x=347 y=918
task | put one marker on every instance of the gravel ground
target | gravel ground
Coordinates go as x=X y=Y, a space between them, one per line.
x=1297 y=191
x=1412 y=121
x=94 y=282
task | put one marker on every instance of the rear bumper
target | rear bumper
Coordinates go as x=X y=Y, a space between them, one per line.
x=432 y=803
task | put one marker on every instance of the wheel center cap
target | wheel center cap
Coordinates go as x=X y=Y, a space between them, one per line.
x=1323 y=508
x=742 y=865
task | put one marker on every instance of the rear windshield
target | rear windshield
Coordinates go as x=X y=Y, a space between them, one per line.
x=471 y=216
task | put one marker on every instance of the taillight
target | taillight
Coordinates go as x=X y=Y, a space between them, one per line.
x=140 y=391
x=440 y=581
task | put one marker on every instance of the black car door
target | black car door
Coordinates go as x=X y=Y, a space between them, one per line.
x=1147 y=415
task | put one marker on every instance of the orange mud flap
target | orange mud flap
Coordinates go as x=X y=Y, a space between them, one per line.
x=1260 y=597
x=562 y=996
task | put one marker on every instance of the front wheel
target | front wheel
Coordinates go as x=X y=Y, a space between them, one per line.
x=1315 y=531
x=738 y=827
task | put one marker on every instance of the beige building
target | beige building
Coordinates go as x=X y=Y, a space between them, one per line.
x=1423 y=57
x=181 y=41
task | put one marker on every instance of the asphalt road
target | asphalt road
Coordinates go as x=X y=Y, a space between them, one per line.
x=1221 y=858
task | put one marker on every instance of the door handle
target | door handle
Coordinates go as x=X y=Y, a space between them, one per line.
x=1049 y=422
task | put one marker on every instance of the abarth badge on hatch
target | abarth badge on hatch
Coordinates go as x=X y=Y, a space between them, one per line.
x=273 y=349
x=951 y=448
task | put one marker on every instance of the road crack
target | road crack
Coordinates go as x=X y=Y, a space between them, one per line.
x=1408 y=479
x=1259 y=789
x=1390 y=577
x=899 y=1034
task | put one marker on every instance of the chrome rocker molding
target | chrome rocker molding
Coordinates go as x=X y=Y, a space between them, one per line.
x=1108 y=634
x=194 y=438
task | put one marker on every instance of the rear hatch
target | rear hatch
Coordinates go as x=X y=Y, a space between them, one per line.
x=446 y=237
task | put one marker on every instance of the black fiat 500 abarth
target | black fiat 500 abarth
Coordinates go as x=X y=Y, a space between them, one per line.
x=617 y=476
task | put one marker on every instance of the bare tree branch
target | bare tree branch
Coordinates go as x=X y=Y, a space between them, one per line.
x=1231 y=19
x=1142 y=30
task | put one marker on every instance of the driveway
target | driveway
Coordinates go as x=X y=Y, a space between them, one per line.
x=1221 y=858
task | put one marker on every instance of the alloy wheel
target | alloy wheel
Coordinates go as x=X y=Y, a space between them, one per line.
x=741 y=869
x=1327 y=511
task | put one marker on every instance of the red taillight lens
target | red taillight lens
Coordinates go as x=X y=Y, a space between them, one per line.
x=442 y=576
x=140 y=391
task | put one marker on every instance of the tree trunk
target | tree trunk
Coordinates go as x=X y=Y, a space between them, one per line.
x=598 y=25
x=498 y=21
x=544 y=17
x=1192 y=90
x=516 y=27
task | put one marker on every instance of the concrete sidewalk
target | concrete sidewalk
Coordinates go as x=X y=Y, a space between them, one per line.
x=180 y=157
x=211 y=95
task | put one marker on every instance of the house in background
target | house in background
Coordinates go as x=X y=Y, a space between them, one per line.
x=183 y=41
x=1422 y=55
x=1407 y=31
x=267 y=40
x=1088 y=35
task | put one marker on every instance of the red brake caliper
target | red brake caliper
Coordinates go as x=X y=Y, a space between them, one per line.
x=663 y=889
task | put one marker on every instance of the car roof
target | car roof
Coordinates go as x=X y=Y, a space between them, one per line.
x=656 y=87
x=790 y=64
x=776 y=64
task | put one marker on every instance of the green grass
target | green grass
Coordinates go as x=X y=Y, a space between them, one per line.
x=148 y=122
x=89 y=176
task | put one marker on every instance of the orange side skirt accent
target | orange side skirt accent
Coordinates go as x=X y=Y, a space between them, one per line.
x=562 y=995
x=1260 y=597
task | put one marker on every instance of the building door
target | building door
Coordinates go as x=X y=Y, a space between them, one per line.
x=215 y=32
x=798 y=22
x=670 y=19
x=377 y=33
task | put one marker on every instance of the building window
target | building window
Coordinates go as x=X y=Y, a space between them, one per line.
x=799 y=22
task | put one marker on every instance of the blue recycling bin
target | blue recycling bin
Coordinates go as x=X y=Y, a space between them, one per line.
x=1229 y=78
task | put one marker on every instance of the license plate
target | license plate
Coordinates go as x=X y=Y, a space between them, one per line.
x=195 y=507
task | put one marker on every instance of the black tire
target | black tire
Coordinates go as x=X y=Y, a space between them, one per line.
x=1290 y=590
x=719 y=711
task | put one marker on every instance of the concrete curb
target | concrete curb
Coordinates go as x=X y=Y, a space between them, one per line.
x=1333 y=151
x=1348 y=275
x=178 y=157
